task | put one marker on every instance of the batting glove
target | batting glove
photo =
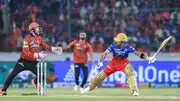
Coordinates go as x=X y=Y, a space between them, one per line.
x=41 y=55
x=99 y=64
x=57 y=50
x=151 y=59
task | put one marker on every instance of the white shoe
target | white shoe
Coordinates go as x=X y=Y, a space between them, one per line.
x=85 y=90
x=81 y=89
x=76 y=87
x=135 y=93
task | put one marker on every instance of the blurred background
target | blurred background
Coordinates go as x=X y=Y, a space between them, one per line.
x=146 y=22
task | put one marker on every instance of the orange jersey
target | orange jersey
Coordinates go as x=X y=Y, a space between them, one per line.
x=80 y=51
x=31 y=45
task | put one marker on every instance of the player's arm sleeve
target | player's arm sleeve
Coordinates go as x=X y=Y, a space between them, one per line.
x=25 y=49
x=110 y=48
x=89 y=48
x=45 y=46
x=69 y=46
x=131 y=49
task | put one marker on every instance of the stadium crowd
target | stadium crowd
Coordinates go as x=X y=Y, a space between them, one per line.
x=146 y=22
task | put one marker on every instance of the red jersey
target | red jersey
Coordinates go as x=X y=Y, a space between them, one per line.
x=31 y=45
x=80 y=51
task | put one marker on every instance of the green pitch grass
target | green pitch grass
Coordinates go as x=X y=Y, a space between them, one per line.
x=100 y=94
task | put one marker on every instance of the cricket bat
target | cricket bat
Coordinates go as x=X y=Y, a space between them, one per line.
x=162 y=45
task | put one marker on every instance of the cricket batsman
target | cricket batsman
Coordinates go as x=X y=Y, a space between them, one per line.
x=120 y=50
x=29 y=55
x=81 y=51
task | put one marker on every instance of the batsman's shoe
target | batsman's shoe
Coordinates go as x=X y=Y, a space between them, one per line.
x=76 y=87
x=86 y=90
x=81 y=89
x=135 y=93
x=3 y=92
x=35 y=85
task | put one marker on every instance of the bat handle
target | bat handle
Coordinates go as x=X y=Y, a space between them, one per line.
x=154 y=55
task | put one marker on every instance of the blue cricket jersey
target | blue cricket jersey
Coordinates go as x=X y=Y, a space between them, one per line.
x=121 y=52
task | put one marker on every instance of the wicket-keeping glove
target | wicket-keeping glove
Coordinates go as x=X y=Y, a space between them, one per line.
x=57 y=50
x=41 y=55
x=99 y=64
x=151 y=59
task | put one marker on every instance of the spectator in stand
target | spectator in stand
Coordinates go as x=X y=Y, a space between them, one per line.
x=104 y=18
x=175 y=16
x=133 y=8
x=97 y=43
x=13 y=40
x=52 y=77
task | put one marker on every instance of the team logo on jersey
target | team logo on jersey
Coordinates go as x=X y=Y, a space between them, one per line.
x=25 y=43
x=20 y=63
x=76 y=66
x=125 y=50
x=79 y=47
x=119 y=51
x=38 y=41
x=132 y=47
x=32 y=42
x=34 y=46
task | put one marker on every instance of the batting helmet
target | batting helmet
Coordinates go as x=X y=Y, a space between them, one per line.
x=120 y=37
x=33 y=25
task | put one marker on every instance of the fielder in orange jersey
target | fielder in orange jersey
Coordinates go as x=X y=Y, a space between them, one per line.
x=120 y=50
x=29 y=55
x=81 y=51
